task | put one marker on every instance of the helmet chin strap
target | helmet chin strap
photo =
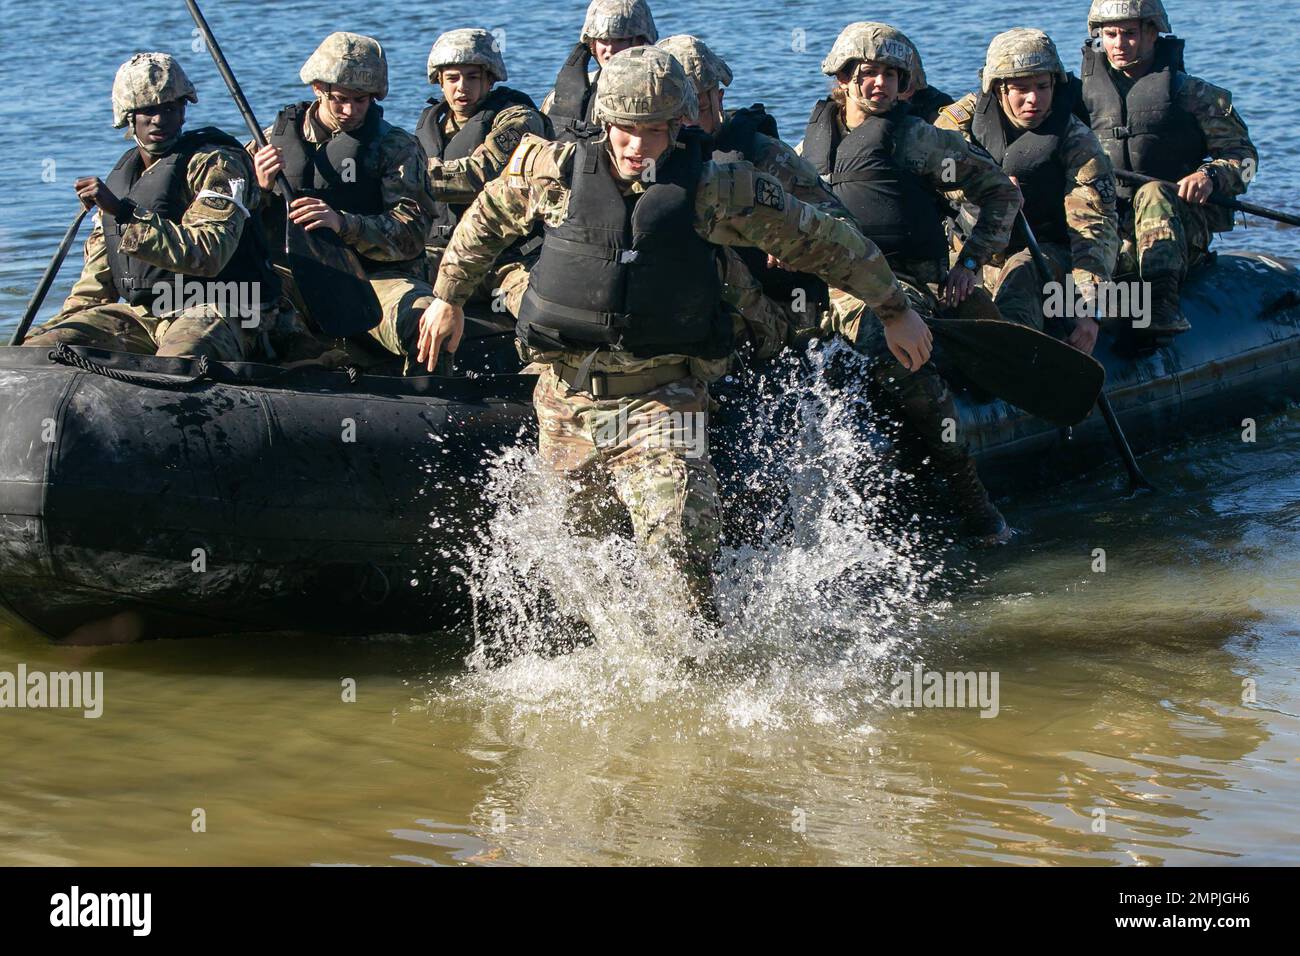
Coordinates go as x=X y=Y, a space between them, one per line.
x=153 y=149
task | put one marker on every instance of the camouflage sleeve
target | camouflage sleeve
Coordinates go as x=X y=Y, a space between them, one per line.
x=397 y=233
x=738 y=206
x=797 y=176
x=218 y=183
x=1232 y=154
x=964 y=172
x=1090 y=213
x=460 y=180
x=95 y=284
x=958 y=116
x=533 y=187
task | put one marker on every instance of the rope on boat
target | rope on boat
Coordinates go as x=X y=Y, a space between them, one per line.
x=63 y=354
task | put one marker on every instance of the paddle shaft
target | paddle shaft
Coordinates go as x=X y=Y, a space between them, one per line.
x=1263 y=212
x=47 y=280
x=1135 y=477
x=236 y=92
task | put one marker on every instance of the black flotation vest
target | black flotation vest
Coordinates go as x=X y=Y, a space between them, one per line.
x=893 y=207
x=1144 y=132
x=467 y=139
x=345 y=172
x=161 y=189
x=572 y=106
x=628 y=272
x=737 y=138
x=1035 y=157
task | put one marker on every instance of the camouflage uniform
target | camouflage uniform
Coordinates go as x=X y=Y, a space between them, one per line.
x=1089 y=203
x=199 y=245
x=1161 y=233
x=666 y=481
x=458 y=181
x=397 y=234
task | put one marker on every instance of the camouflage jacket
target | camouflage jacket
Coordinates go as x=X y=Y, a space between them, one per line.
x=458 y=181
x=735 y=205
x=396 y=234
x=1090 y=211
x=799 y=177
x=201 y=244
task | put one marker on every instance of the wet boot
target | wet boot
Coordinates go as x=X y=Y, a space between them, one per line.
x=1166 y=312
x=982 y=524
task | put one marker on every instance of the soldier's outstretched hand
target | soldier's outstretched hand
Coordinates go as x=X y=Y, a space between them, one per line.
x=909 y=339
x=441 y=325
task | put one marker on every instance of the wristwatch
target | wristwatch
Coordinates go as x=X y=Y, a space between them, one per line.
x=969 y=263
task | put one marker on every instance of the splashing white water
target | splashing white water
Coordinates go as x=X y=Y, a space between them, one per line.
x=818 y=588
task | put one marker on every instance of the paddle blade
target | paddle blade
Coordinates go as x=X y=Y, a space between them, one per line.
x=1030 y=370
x=334 y=289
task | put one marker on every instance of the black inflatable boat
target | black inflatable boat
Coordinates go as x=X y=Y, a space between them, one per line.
x=146 y=497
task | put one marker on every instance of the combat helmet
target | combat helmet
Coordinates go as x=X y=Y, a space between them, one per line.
x=611 y=19
x=643 y=85
x=879 y=42
x=1021 y=52
x=468 y=47
x=349 y=60
x=148 y=79
x=1116 y=11
x=704 y=68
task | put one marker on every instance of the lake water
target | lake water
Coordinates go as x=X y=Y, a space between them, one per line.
x=1163 y=693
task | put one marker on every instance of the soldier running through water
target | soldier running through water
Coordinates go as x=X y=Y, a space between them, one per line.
x=622 y=309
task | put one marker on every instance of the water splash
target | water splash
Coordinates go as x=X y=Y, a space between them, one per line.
x=821 y=585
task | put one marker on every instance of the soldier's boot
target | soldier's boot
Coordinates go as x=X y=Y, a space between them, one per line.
x=1166 y=305
x=982 y=524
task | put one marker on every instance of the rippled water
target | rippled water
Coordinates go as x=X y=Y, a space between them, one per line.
x=1120 y=691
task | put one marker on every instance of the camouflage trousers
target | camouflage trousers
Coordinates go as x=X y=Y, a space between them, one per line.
x=1161 y=234
x=193 y=332
x=646 y=455
x=923 y=396
x=1017 y=287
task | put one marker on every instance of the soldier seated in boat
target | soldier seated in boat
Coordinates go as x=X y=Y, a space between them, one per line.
x=175 y=263
x=468 y=136
x=610 y=27
x=1023 y=117
x=357 y=174
x=892 y=170
x=1155 y=119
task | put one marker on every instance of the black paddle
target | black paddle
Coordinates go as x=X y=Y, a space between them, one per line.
x=47 y=280
x=335 y=291
x=1137 y=179
x=1022 y=366
x=1136 y=480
